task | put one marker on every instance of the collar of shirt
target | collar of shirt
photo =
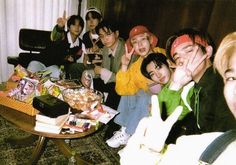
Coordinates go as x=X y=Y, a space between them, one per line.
x=94 y=36
x=114 y=51
x=72 y=44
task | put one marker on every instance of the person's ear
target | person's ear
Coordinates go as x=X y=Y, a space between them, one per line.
x=209 y=51
x=171 y=64
x=117 y=33
x=150 y=39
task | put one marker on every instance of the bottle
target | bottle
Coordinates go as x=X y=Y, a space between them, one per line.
x=72 y=160
x=87 y=79
x=62 y=73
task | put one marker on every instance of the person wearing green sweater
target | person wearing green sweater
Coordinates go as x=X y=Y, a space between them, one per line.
x=195 y=86
x=147 y=144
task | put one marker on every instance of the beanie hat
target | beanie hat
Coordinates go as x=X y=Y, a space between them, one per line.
x=140 y=29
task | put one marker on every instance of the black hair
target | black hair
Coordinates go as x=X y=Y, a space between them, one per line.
x=158 y=58
x=106 y=24
x=73 y=18
x=192 y=33
x=94 y=14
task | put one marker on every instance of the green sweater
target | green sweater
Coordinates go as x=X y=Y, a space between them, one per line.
x=170 y=99
x=206 y=101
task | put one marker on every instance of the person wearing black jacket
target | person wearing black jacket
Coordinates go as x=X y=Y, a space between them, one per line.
x=65 y=49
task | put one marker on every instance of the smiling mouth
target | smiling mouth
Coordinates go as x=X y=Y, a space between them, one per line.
x=142 y=50
x=162 y=79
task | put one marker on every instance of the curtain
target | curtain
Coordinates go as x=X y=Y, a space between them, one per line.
x=35 y=14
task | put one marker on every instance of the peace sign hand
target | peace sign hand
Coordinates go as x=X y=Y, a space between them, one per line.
x=152 y=131
x=156 y=130
x=62 y=20
x=185 y=68
x=125 y=59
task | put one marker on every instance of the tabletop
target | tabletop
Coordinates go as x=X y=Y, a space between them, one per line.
x=26 y=123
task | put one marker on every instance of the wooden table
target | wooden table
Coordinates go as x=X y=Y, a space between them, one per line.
x=27 y=123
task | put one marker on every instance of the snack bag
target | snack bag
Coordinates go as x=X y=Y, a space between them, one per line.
x=51 y=88
x=25 y=90
x=19 y=73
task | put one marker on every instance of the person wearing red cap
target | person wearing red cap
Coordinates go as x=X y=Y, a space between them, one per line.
x=147 y=144
x=205 y=110
x=132 y=85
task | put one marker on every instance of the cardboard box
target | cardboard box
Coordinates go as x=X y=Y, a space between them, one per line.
x=18 y=105
x=15 y=104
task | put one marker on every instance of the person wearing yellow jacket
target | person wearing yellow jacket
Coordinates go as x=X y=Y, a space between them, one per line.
x=147 y=144
x=132 y=85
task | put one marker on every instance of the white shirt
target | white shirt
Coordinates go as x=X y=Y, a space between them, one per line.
x=74 y=44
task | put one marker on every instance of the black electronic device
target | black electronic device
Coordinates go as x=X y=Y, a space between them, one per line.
x=50 y=106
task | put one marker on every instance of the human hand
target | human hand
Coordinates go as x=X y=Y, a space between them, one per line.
x=62 y=20
x=149 y=137
x=97 y=61
x=153 y=130
x=69 y=58
x=125 y=59
x=95 y=48
x=185 y=68
x=154 y=87
x=97 y=69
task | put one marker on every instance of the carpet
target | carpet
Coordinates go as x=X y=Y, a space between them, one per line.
x=91 y=148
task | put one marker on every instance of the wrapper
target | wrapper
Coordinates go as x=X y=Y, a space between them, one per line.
x=25 y=90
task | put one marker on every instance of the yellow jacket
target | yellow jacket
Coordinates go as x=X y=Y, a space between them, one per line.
x=132 y=80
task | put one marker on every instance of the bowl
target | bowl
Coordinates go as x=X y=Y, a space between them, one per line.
x=82 y=98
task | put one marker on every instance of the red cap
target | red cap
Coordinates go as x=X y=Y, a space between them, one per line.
x=140 y=29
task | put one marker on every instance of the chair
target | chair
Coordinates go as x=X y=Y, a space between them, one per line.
x=33 y=42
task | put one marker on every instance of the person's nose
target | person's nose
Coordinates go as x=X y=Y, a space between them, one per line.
x=140 y=43
x=158 y=74
x=105 y=38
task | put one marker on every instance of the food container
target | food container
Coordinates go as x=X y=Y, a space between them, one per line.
x=82 y=98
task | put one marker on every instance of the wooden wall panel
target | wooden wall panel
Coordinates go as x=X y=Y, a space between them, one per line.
x=164 y=17
x=223 y=19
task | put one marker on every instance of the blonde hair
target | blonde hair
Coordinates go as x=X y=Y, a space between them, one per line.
x=225 y=51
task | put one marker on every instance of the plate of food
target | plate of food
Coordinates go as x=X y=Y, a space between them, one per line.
x=82 y=98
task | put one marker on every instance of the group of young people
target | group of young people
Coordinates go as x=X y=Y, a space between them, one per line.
x=131 y=71
x=217 y=144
